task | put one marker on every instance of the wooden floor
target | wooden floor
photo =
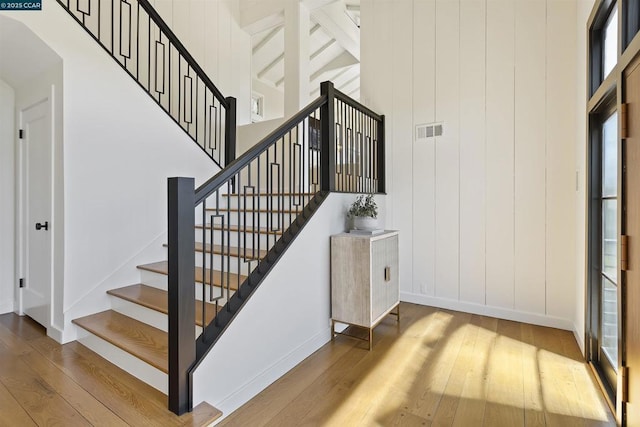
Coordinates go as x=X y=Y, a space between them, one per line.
x=43 y=383
x=437 y=368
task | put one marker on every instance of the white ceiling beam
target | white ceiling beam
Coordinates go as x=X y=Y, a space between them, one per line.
x=339 y=26
x=345 y=59
x=267 y=39
x=336 y=76
x=315 y=4
x=322 y=48
x=257 y=16
x=272 y=64
x=280 y=57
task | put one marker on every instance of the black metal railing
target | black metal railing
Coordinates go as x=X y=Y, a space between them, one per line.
x=251 y=210
x=135 y=35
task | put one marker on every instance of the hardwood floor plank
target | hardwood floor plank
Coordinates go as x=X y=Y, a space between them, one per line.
x=505 y=398
x=534 y=405
x=464 y=362
x=437 y=367
x=23 y=327
x=559 y=393
x=265 y=407
x=11 y=413
x=44 y=383
x=34 y=394
x=87 y=405
x=472 y=402
x=135 y=402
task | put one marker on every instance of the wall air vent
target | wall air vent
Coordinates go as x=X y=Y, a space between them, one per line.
x=427 y=131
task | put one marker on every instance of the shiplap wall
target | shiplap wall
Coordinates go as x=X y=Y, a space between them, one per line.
x=211 y=33
x=487 y=212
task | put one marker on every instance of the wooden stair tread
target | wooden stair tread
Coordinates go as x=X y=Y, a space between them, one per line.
x=162 y=267
x=157 y=299
x=235 y=228
x=261 y=210
x=137 y=338
x=202 y=415
x=233 y=251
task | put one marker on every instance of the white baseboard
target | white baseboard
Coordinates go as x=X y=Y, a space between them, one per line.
x=484 y=310
x=261 y=381
x=579 y=339
x=61 y=335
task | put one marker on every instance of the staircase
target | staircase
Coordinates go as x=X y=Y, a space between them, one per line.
x=137 y=322
x=225 y=236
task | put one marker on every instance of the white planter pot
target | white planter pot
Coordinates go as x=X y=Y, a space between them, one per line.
x=365 y=223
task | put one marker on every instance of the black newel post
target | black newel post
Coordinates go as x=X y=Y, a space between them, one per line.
x=230 y=132
x=181 y=286
x=328 y=139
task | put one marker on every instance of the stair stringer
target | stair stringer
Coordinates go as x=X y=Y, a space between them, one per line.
x=285 y=320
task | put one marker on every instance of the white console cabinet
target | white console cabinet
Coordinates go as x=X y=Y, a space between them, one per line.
x=364 y=279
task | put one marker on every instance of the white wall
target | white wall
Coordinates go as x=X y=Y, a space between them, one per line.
x=249 y=135
x=211 y=33
x=7 y=197
x=119 y=148
x=489 y=208
x=268 y=338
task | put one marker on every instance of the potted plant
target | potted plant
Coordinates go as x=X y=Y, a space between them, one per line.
x=364 y=212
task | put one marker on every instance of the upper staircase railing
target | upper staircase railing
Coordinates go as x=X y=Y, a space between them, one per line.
x=251 y=211
x=135 y=35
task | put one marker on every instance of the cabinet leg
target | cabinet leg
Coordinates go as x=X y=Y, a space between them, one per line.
x=398 y=308
x=370 y=338
x=333 y=329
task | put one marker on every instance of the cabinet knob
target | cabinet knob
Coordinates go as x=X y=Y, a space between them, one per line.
x=387 y=274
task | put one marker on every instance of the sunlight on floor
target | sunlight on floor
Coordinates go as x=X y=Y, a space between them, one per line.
x=495 y=368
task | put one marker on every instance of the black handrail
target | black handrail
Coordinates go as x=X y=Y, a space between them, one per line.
x=252 y=209
x=183 y=50
x=207 y=188
x=140 y=41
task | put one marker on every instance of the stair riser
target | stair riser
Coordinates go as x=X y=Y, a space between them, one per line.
x=136 y=367
x=160 y=281
x=143 y=314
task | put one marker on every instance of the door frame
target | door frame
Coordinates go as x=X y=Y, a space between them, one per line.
x=599 y=90
x=22 y=199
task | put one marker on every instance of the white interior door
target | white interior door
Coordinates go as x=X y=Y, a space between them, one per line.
x=36 y=210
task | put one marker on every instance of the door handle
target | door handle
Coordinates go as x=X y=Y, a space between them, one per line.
x=41 y=226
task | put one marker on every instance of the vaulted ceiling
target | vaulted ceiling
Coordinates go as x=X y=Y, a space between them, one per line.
x=334 y=50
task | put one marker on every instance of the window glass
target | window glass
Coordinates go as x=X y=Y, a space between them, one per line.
x=610 y=238
x=610 y=156
x=610 y=321
x=610 y=43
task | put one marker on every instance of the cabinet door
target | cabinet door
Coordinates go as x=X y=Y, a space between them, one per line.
x=384 y=275
x=350 y=290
